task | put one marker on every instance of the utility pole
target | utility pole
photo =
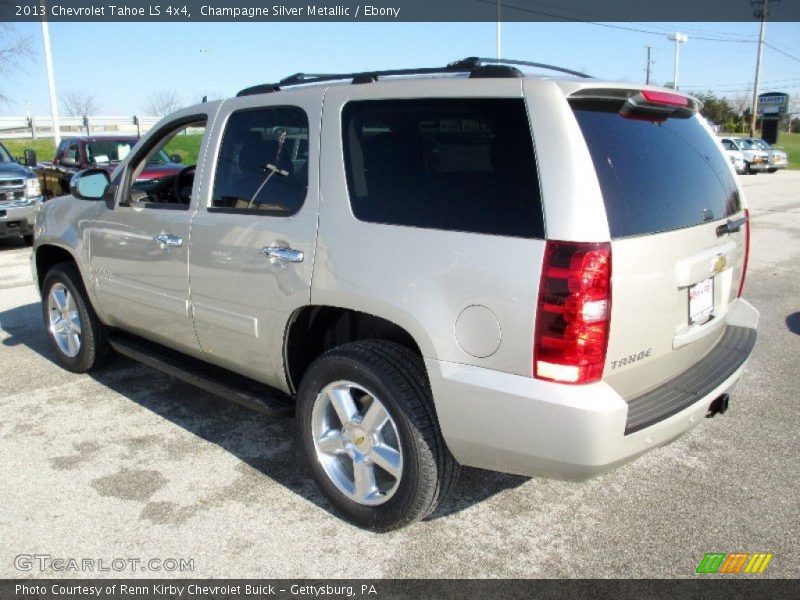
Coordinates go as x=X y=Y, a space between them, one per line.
x=760 y=10
x=649 y=63
x=48 y=59
x=678 y=38
x=499 y=33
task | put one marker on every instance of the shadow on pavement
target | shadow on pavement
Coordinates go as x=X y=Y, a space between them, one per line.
x=793 y=322
x=265 y=444
x=12 y=243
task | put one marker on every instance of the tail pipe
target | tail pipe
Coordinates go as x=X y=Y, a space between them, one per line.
x=718 y=406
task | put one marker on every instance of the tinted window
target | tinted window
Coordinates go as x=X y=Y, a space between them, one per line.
x=655 y=176
x=263 y=162
x=456 y=164
x=105 y=151
x=73 y=152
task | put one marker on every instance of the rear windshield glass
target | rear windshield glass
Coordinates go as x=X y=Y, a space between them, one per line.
x=655 y=176
x=454 y=164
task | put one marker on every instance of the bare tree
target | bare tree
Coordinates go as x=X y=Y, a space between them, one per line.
x=15 y=50
x=162 y=103
x=740 y=101
x=79 y=104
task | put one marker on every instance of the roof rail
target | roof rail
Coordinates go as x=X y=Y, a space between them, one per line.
x=476 y=67
x=521 y=63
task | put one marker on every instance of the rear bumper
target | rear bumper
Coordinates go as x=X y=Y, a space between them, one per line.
x=525 y=426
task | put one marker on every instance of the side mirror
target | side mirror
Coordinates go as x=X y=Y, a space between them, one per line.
x=176 y=158
x=91 y=184
x=30 y=157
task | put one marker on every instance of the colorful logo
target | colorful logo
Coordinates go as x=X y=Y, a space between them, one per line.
x=735 y=562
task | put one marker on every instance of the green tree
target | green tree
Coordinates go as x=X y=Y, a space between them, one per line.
x=716 y=109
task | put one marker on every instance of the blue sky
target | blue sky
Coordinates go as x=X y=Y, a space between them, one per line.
x=121 y=64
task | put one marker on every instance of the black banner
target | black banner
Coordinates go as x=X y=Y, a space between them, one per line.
x=389 y=10
x=281 y=589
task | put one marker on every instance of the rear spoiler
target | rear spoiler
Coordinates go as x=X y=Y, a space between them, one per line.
x=653 y=104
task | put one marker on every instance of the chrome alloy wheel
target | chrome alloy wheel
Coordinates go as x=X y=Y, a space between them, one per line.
x=65 y=321
x=357 y=443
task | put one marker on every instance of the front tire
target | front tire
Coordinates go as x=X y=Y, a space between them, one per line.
x=368 y=428
x=78 y=337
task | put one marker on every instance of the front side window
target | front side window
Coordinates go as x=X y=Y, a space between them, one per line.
x=168 y=185
x=458 y=164
x=62 y=149
x=263 y=162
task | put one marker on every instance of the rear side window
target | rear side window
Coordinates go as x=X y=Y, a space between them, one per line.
x=262 y=166
x=453 y=164
x=655 y=175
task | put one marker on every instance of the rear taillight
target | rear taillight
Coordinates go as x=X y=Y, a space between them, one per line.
x=746 y=251
x=574 y=312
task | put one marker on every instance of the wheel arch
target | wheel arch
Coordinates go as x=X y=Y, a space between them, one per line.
x=47 y=256
x=315 y=329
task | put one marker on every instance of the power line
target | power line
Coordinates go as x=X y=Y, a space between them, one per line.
x=768 y=45
x=639 y=30
x=608 y=25
x=746 y=83
x=669 y=28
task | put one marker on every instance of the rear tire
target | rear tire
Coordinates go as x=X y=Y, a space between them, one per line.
x=78 y=337
x=28 y=239
x=409 y=469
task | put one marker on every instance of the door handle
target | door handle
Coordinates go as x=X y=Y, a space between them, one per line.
x=283 y=253
x=173 y=241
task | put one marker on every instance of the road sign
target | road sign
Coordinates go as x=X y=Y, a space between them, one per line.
x=773 y=104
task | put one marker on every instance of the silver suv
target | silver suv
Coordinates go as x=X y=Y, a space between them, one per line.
x=431 y=268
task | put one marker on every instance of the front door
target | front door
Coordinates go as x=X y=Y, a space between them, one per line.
x=253 y=236
x=140 y=249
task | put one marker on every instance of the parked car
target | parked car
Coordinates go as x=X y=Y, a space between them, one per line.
x=76 y=154
x=776 y=159
x=755 y=159
x=20 y=196
x=418 y=285
x=737 y=159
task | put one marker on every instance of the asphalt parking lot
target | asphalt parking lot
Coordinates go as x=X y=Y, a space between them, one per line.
x=131 y=463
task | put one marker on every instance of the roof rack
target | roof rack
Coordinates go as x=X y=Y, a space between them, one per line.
x=476 y=67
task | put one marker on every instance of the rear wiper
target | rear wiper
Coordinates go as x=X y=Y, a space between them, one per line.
x=731 y=226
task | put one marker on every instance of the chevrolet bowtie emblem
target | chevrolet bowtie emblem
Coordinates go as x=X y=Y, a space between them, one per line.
x=720 y=264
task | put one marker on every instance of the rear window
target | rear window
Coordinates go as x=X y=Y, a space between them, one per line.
x=655 y=176
x=453 y=164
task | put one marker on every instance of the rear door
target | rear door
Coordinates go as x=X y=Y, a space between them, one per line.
x=669 y=193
